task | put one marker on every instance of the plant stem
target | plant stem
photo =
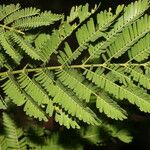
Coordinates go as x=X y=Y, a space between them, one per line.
x=11 y=29
x=4 y=74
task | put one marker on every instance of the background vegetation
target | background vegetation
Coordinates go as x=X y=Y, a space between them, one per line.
x=138 y=123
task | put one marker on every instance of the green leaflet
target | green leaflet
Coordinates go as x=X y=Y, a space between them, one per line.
x=89 y=32
x=33 y=110
x=18 y=96
x=138 y=75
x=51 y=43
x=44 y=19
x=74 y=81
x=140 y=51
x=82 y=12
x=14 y=136
x=33 y=89
x=118 y=132
x=123 y=135
x=134 y=94
x=128 y=38
x=27 y=47
x=110 y=108
x=14 y=21
x=13 y=90
x=104 y=103
x=7 y=10
x=2 y=104
x=49 y=46
x=84 y=66
x=21 y=14
x=6 y=44
x=74 y=106
x=63 y=97
x=131 y=12
x=66 y=120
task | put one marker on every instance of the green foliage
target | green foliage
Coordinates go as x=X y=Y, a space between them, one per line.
x=96 y=134
x=96 y=77
x=13 y=138
x=2 y=104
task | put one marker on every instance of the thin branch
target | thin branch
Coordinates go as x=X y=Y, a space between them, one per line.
x=11 y=29
x=4 y=74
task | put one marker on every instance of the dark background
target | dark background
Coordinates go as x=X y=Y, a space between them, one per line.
x=63 y=6
x=141 y=130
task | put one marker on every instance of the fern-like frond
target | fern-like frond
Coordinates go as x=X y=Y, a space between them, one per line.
x=45 y=78
x=49 y=46
x=14 y=136
x=110 y=107
x=74 y=80
x=117 y=132
x=3 y=143
x=66 y=120
x=91 y=133
x=128 y=37
x=14 y=23
x=73 y=105
x=21 y=14
x=138 y=97
x=65 y=99
x=130 y=92
x=7 y=45
x=140 y=51
x=119 y=73
x=123 y=135
x=27 y=47
x=139 y=76
x=33 y=110
x=89 y=32
x=33 y=89
x=82 y=12
x=51 y=43
x=13 y=91
x=132 y=12
x=6 y=10
x=106 y=18
x=107 y=61
x=102 y=81
x=44 y=19
x=19 y=97
x=2 y=104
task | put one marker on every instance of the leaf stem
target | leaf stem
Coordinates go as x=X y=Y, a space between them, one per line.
x=4 y=74
x=11 y=29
